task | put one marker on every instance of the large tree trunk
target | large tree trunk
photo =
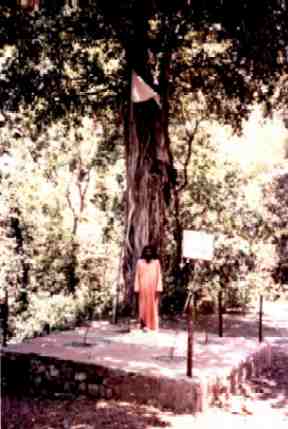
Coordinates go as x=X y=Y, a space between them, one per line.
x=147 y=185
x=148 y=162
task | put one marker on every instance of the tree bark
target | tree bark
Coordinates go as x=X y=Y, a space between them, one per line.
x=149 y=165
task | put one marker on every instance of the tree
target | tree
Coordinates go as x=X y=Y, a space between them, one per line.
x=226 y=56
x=65 y=250
x=160 y=35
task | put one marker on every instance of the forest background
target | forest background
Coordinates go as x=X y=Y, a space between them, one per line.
x=63 y=159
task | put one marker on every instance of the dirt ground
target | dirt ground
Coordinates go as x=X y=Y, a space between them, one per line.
x=264 y=401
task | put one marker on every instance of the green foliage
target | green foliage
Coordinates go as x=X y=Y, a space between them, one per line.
x=59 y=311
x=74 y=61
x=54 y=187
x=241 y=208
x=60 y=133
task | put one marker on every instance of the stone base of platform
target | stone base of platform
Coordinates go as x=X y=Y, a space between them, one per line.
x=45 y=375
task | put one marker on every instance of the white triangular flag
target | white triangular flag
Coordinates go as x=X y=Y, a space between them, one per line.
x=141 y=91
x=30 y=4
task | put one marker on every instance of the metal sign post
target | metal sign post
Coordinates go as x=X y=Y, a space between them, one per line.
x=188 y=310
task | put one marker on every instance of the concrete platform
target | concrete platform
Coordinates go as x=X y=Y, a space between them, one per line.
x=144 y=366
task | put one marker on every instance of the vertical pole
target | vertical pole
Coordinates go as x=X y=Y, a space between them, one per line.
x=220 y=313
x=260 y=331
x=189 y=342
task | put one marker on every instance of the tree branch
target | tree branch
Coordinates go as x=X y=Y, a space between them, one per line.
x=75 y=217
x=190 y=136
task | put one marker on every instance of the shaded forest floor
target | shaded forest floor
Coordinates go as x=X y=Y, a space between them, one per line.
x=263 y=402
x=237 y=324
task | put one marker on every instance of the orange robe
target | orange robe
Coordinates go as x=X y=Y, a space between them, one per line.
x=148 y=282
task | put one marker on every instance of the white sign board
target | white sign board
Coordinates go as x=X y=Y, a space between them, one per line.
x=197 y=245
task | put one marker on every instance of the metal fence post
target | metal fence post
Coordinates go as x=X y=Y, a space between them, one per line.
x=260 y=327
x=190 y=348
x=220 y=313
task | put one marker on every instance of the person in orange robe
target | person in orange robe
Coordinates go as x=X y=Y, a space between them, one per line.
x=148 y=285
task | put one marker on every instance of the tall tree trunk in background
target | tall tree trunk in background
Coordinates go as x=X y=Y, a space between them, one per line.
x=23 y=275
x=81 y=183
x=148 y=161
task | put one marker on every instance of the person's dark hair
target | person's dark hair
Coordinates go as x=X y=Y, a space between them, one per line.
x=149 y=252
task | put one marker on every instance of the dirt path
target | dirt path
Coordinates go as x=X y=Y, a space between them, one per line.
x=264 y=401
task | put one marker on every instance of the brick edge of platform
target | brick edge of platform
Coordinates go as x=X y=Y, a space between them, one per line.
x=43 y=375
